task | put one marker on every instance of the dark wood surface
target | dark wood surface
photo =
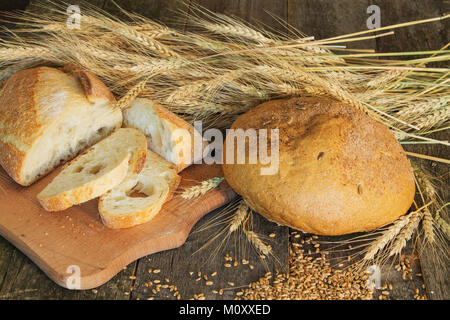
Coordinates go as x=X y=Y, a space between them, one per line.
x=21 y=279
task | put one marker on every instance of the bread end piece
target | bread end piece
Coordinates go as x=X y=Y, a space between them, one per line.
x=167 y=134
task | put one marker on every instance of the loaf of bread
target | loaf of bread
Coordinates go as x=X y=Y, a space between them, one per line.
x=339 y=170
x=140 y=196
x=167 y=134
x=48 y=116
x=97 y=170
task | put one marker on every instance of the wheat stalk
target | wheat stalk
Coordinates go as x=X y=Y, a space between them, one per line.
x=430 y=121
x=201 y=189
x=428 y=189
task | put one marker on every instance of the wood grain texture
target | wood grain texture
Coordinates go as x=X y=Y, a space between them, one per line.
x=77 y=237
x=268 y=14
x=167 y=12
x=324 y=19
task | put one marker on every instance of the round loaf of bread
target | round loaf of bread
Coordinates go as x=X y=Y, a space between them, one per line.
x=339 y=171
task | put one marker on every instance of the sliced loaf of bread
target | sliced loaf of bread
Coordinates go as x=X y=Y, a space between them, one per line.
x=140 y=196
x=97 y=170
x=48 y=116
x=167 y=134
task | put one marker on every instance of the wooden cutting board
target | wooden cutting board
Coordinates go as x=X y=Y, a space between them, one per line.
x=77 y=251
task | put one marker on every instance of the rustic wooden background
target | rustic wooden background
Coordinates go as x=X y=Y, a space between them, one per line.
x=21 y=279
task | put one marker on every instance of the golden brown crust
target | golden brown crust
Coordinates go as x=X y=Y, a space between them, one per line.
x=19 y=122
x=339 y=171
x=93 y=87
x=54 y=204
x=163 y=113
x=11 y=160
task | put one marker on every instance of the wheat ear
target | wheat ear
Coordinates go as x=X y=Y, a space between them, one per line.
x=201 y=189
x=24 y=53
x=132 y=94
x=132 y=35
x=406 y=232
x=239 y=217
x=257 y=242
x=443 y=225
x=428 y=226
x=387 y=236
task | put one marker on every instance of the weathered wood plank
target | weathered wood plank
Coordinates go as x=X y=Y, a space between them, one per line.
x=324 y=18
x=262 y=13
x=168 y=12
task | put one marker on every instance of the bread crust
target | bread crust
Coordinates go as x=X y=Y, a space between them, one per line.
x=93 y=88
x=176 y=123
x=339 y=171
x=22 y=119
x=130 y=220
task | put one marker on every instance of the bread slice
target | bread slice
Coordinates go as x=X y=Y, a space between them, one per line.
x=167 y=134
x=99 y=169
x=48 y=116
x=140 y=196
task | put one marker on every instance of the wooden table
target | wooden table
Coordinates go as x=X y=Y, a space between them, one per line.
x=21 y=279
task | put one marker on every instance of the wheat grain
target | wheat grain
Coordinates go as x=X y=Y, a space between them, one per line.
x=310 y=279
